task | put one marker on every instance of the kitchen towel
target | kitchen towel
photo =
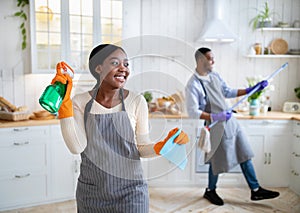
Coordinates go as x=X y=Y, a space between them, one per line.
x=175 y=153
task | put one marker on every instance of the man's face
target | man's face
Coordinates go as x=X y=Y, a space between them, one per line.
x=209 y=62
x=205 y=62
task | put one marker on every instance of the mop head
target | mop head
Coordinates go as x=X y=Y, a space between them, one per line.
x=204 y=140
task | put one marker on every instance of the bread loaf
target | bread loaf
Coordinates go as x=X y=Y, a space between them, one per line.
x=7 y=104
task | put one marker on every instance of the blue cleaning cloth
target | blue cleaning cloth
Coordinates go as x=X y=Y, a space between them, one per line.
x=175 y=153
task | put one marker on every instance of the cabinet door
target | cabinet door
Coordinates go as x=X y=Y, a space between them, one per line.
x=295 y=159
x=63 y=166
x=270 y=141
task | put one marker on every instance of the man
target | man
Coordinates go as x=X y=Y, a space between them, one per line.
x=205 y=99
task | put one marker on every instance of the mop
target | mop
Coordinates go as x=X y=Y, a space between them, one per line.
x=204 y=139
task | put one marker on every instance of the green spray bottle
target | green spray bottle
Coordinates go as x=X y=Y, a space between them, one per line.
x=53 y=95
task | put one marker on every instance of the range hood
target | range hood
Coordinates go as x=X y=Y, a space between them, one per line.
x=215 y=30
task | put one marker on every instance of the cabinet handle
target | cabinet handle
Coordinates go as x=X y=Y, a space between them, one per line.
x=21 y=144
x=21 y=129
x=268 y=122
x=22 y=176
x=265 y=158
x=172 y=120
x=269 y=158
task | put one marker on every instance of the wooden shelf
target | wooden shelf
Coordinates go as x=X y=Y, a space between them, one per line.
x=278 y=29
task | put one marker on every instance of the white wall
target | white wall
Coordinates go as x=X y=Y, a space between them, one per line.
x=176 y=24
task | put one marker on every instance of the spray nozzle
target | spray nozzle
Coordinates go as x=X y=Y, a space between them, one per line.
x=64 y=68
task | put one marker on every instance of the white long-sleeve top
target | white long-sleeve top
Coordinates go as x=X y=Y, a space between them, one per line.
x=73 y=129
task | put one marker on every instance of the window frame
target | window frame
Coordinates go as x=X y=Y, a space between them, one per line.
x=65 y=52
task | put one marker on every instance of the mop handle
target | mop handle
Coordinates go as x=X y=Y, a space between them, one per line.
x=253 y=91
x=257 y=87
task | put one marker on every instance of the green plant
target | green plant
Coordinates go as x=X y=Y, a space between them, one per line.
x=252 y=81
x=148 y=96
x=263 y=15
x=22 y=14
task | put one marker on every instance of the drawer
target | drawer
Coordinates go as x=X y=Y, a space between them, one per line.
x=22 y=189
x=21 y=135
x=29 y=155
x=270 y=125
x=296 y=129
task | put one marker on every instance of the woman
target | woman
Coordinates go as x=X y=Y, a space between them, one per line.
x=108 y=126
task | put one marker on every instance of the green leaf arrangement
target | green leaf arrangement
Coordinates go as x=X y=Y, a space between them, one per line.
x=22 y=14
x=148 y=96
x=252 y=82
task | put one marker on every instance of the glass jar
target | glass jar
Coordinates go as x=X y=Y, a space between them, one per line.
x=258 y=48
x=254 y=107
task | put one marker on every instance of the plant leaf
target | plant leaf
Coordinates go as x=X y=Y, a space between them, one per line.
x=18 y=13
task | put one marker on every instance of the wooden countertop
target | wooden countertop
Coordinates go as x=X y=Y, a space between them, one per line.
x=267 y=116
x=5 y=124
x=240 y=115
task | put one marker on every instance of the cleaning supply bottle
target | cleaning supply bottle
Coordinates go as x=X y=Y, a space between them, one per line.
x=54 y=94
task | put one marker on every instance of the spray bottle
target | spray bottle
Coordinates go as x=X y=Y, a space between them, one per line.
x=52 y=97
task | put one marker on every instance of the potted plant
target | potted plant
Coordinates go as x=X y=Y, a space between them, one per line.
x=263 y=18
x=257 y=98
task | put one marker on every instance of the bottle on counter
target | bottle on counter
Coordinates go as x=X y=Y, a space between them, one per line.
x=268 y=103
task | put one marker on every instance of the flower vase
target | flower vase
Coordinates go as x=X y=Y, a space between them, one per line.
x=254 y=107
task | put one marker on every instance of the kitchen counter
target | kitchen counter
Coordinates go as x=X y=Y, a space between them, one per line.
x=5 y=124
x=241 y=115
x=273 y=115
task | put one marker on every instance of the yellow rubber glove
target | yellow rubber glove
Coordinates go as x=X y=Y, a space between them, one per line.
x=66 y=108
x=182 y=138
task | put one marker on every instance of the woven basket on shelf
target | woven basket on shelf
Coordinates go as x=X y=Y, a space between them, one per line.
x=279 y=46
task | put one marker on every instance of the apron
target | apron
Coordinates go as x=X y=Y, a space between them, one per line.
x=111 y=176
x=229 y=144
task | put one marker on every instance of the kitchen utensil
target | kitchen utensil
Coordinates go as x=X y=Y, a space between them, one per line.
x=294 y=51
x=279 y=46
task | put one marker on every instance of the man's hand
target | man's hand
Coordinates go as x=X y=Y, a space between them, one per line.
x=221 y=116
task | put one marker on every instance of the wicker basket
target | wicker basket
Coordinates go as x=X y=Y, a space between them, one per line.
x=14 y=116
x=279 y=46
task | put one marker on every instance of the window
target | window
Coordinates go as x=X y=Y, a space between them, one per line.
x=69 y=29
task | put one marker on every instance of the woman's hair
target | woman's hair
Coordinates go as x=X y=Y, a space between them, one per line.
x=201 y=52
x=98 y=55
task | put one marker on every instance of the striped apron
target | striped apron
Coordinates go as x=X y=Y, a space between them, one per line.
x=229 y=143
x=111 y=176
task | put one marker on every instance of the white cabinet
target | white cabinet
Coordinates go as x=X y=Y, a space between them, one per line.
x=271 y=143
x=35 y=167
x=64 y=167
x=161 y=172
x=295 y=159
x=23 y=165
